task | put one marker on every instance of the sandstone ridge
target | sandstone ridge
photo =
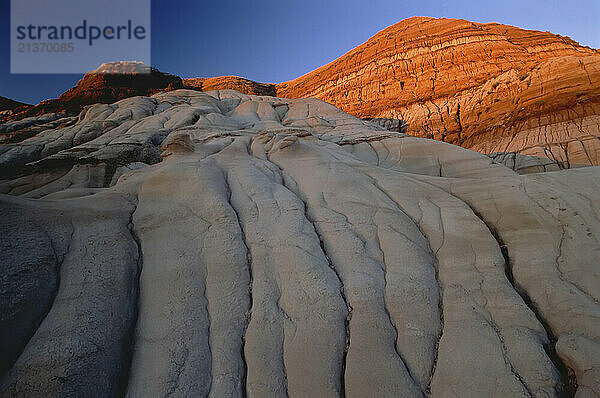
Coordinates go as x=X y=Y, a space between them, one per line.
x=487 y=87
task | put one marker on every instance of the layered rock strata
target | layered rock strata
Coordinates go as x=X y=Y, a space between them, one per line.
x=487 y=87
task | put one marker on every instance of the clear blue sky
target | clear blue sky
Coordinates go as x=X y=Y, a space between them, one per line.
x=278 y=40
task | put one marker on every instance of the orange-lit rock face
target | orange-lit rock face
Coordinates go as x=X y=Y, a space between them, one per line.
x=488 y=87
x=230 y=83
x=109 y=83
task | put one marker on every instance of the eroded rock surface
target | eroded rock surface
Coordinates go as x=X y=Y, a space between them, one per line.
x=280 y=247
x=524 y=164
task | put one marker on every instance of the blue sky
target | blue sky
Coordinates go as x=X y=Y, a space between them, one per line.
x=278 y=40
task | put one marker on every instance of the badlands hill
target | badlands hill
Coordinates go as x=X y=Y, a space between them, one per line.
x=8 y=104
x=528 y=98
x=487 y=87
x=231 y=83
x=226 y=245
x=107 y=84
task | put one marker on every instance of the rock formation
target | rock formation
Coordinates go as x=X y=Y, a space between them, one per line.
x=524 y=164
x=281 y=247
x=488 y=87
x=231 y=83
x=107 y=84
x=398 y=125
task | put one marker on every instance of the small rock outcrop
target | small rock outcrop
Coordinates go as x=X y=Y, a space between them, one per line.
x=281 y=247
x=231 y=83
x=398 y=125
x=107 y=84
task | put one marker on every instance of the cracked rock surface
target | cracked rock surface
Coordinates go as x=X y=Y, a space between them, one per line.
x=221 y=244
